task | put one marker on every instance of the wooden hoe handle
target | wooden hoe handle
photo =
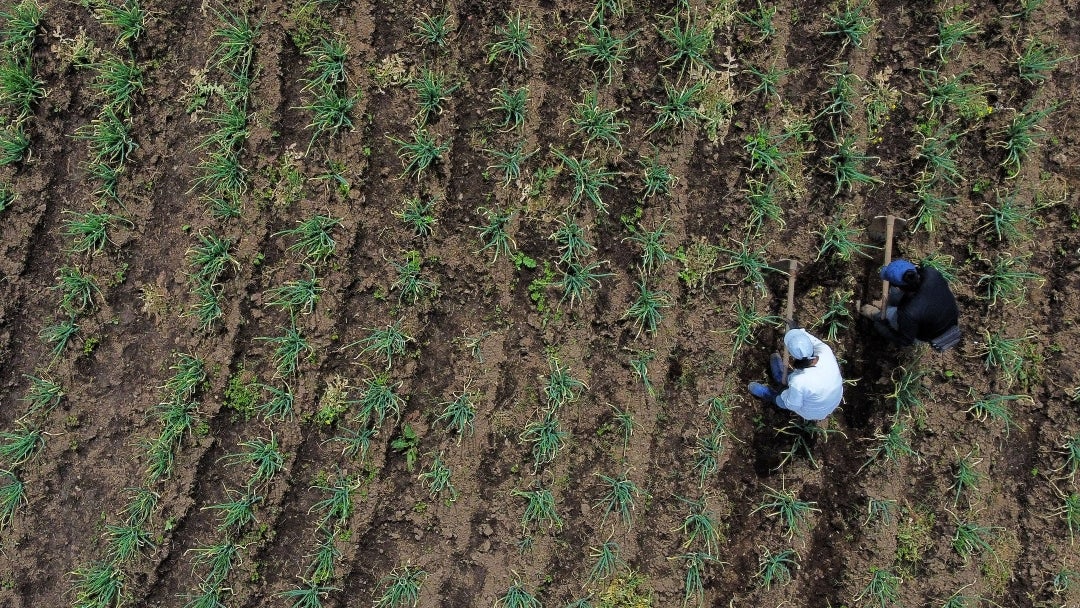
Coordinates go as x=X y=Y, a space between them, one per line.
x=888 y=258
x=789 y=313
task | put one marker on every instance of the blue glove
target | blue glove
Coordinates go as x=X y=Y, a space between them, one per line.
x=762 y=392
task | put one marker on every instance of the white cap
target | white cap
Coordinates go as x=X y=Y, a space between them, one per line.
x=798 y=344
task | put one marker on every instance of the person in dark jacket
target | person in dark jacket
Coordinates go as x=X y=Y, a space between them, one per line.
x=920 y=307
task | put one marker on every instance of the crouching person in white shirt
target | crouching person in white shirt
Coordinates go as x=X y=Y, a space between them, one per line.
x=813 y=385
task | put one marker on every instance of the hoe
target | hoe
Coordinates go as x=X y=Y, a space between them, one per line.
x=882 y=228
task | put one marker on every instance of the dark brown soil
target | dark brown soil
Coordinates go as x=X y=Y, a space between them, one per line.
x=474 y=548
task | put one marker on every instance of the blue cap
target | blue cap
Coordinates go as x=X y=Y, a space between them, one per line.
x=798 y=344
x=894 y=272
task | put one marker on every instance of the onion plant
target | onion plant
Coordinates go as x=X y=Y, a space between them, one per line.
x=310 y=595
x=8 y=195
x=19 y=25
x=493 y=234
x=100 y=584
x=570 y=239
x=578 y=280
x=761 y=18
x=1021 y=136
x=546 y=437
x=512 y=41
x=323 y=562
x=624 y=422
x=189 y=374
x=775 y=568
x=640 y=364
x=653 y=254
x=420 y=153
x=236 y=38
x=207 y=306
x=508 y=163
x=693 y=583
x=764 y=206
x=264 y=455
x=752 y=264
x=837 y=241
x=313 y=237
x=89 y=231
x=1038 y=60
x=517 y=597
x=327 y=68
x=909 y=390
x=971 y=538
x=299 y=296
x=109 y=137
x=19 y=87
x=379 y=401
x=330 y=113
x=59 y=335
x=560 y=387
x=645 y=309
x=278 y=404
x=512 y=104
x=418 y=215
x=401 y=588
x=432 y=89
x=707 y=456
x=589 y=175
x=437 y=478
x=656 y=177
x=602 y=47
x=700 y=527
x=128 y=17
x=850 y=24
x=539 y=508
x=338 y=506
x=127 y=541
x=12 y=496
x=883 y=588
x=596 y=124
x=880 y=509
x=357 y=442
x=1070 y=512
x=411 y=285
x=118 y=81
x=140 y=508
x=387 y=342
x=1006 y=279
x=691 y=43
x=42 y=396
x=14 y=144
x=891 y=446
x=968 y=99
x=218 y=558
x=841 y=95
x=1071 y=451
x=995 y=407
x=210 y=257
x=680 y=108
x=965 y=476
x=607 y=559
x=932 y=204
x=747 y=321
x=458 y=413
x=618 y=497
x=1011 y=356
x=21 y=444
x=766 y=155
x=837 y=314
x=237 y=511
x=845 y=163
x=77 y=290
x=952 y=33
x=793 y=513
x=434 y=30
x=768 y=80
x=290 y=349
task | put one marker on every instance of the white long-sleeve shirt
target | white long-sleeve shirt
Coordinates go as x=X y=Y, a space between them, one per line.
x=814 y=392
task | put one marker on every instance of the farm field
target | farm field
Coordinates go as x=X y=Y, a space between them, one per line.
x=339 y=303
